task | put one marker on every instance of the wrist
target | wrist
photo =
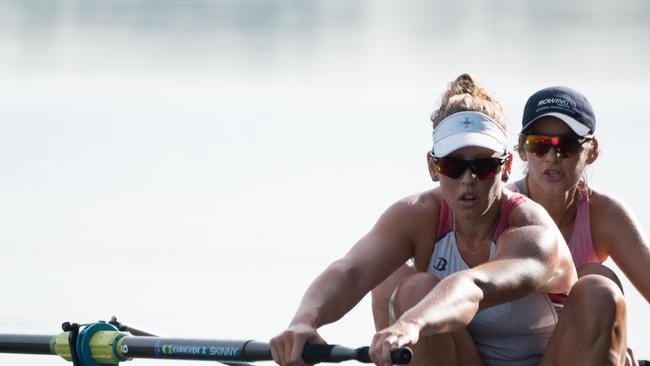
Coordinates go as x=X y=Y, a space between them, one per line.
x=304 y=321
x=411 y=322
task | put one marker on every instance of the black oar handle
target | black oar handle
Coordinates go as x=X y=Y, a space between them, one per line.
x=315 y=353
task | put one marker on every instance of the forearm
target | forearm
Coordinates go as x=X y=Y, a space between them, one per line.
x=450 y=305
x=332 y=294
x=454 y=301
x=636 y=269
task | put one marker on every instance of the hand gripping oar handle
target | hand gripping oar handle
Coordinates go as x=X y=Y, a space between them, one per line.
x=314 y=353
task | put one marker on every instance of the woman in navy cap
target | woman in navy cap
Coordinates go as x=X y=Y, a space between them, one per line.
x=486 y=257
x=558 y=143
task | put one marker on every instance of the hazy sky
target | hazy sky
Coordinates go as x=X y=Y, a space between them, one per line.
x=191 y=166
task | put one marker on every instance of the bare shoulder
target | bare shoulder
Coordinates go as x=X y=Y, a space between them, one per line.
x=417 y=207
x=529 y=222
x=397 y=230
x=413 y=220
x=529 y=212
x=611 y=221
x=427 y=200
x=532 y=234
x=605 y=207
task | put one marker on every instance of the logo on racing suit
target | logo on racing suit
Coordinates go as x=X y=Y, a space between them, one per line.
x=441 y=265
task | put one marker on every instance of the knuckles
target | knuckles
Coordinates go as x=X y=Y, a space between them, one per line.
x=287 y=346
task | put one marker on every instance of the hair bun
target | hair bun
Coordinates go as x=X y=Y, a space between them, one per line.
x=464 y=94
x=464 y=84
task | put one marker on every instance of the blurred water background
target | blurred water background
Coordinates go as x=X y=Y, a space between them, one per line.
x=191 y=166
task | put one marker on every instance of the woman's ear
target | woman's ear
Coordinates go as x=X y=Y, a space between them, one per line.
x=592 y=155
x=433 y=172
x=507 y=168
x=520 y=149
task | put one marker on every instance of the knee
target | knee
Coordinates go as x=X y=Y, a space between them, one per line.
x=381 y=294
x=411 y=291
x=380 y=298
x=601 y=270
x=598 y=303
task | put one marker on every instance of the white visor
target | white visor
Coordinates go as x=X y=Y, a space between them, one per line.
x=464 y=129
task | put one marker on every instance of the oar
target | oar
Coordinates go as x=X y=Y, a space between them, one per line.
x=101 y=343
x=139 y=331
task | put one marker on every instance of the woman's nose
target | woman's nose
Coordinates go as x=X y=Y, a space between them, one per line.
x=552 y=155
x=468 y=176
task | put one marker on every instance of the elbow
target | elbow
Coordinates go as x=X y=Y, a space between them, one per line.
x=493 y=289
x=345 y=272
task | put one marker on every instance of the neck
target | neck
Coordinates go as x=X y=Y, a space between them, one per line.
x=560 y=206
x=474 y=232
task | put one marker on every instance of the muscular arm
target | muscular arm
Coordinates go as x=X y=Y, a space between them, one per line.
x=521 y=268
x=527 y=260
x=344 y=283
x=619 y=235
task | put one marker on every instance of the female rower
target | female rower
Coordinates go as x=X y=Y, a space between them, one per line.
x=475 y=244
x=557 y=141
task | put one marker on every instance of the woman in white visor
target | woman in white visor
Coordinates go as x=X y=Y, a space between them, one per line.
x=486 y=258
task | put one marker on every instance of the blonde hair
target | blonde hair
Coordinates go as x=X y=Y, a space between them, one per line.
x=464 y=94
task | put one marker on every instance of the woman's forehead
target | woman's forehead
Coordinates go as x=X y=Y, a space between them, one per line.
x=550 y=125
x=474 y=152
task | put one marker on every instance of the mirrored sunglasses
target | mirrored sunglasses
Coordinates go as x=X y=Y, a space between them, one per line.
x=564 y=145
x=454 y=168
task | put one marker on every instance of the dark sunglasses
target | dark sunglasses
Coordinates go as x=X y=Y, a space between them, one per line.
x=564 y=145
x=454 y=168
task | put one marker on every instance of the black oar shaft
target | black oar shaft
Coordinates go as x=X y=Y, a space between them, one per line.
x=194 y=349
x=25 y=343
x=239 y=351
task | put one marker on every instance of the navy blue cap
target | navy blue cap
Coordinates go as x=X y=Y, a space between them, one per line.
x=566 y=104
